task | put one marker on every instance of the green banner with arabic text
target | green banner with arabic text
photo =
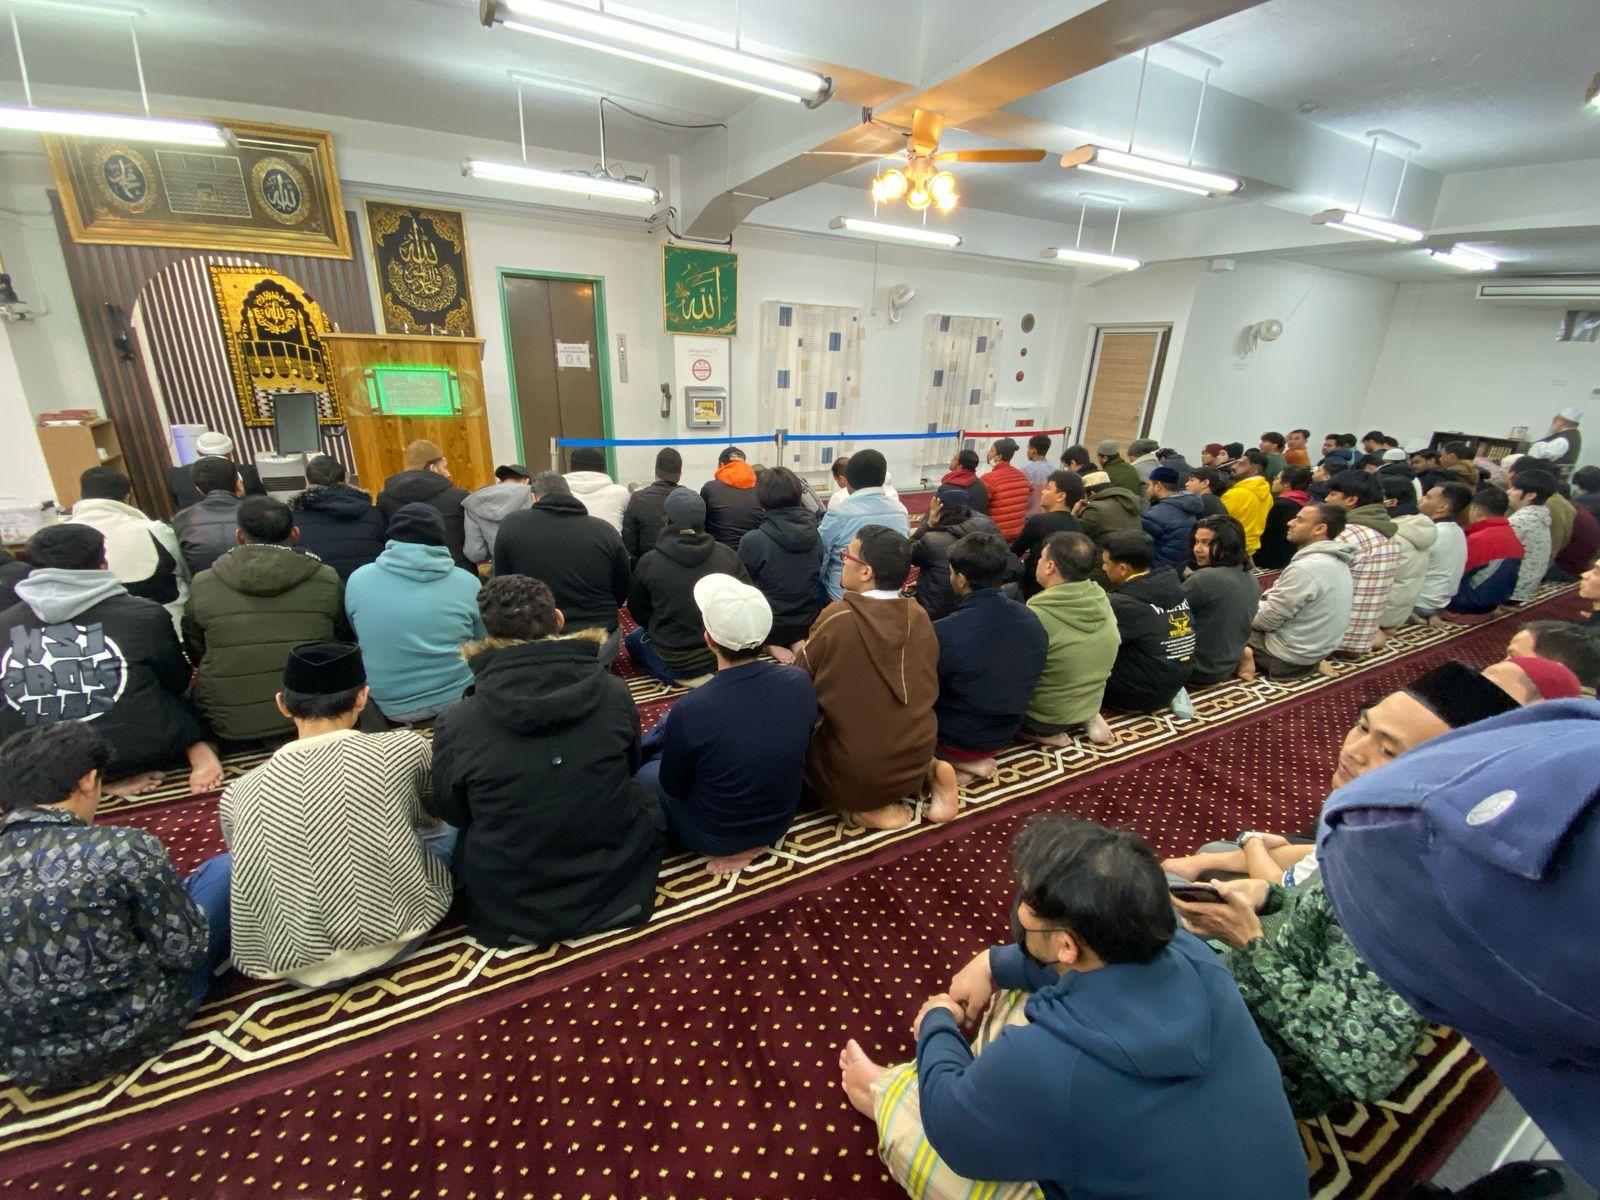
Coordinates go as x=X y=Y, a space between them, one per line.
x=700 y=290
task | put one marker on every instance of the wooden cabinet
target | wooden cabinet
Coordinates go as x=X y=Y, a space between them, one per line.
x=70 y=450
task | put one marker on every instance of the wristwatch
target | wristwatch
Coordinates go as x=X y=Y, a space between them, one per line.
x=1248 y=835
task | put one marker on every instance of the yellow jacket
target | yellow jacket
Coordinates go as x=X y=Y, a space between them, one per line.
x=1248 y=501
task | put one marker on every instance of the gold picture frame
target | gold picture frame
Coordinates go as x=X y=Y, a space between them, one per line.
x=421 y=294
x=275 y=190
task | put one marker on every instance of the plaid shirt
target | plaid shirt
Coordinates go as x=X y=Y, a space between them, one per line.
x=101 y=943
x=1377 y=559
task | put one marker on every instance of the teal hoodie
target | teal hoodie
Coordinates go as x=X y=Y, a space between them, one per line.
x=412 y=609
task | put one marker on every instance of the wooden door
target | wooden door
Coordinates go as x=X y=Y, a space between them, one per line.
x=556 y=360
x=1123 y=377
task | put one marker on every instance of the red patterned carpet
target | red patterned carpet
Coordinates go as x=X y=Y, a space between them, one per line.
x=698 y=1060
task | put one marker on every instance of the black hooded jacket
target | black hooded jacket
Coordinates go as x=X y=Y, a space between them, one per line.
x=1158 y=639
x=431 y=488
x=535 y=767
x=580 y=557
x=784 y=558
x=340 y=525
x=930 y=553
x=662 y=597
x=645 y=517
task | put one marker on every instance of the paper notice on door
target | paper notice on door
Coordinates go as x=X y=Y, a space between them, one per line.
x=572 y=354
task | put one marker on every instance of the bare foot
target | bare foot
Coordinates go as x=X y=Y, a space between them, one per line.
x=205 y=769
x=1438 y=622
x=1189 y=866
x=730 y=864
x=1381 y=639
x=1098 y=731
x=944 y=801
x=1057 y=740
x=1247 y=666
x=858 y=1073
x=890 y=816
x=135 y=784
x=781 y=654
x=1326 y=667
x=981 y=771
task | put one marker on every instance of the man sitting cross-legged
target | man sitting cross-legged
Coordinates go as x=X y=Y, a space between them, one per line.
x=733 y=751
x=1370 y=532
x=991 y=653
x=1081 y=644
x=107 y=951
x=1115 y=1057
x=535 y=768
x=1154 y=620
x=79 y=648
x=1223 y=596
x=1494 y=559
x=337 y=868
x=874 y=660
x=1304 y=615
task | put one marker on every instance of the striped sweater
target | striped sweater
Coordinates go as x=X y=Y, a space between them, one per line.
x=328 y=863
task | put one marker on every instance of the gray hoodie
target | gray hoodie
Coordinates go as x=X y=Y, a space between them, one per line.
x=57 y=595
x=485 y=509
x=1307 y=611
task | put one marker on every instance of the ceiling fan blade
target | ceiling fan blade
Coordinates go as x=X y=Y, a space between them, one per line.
x=990 y=156
x=925 y=130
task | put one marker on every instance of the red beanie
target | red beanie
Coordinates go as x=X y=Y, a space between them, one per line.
x=1554 y=680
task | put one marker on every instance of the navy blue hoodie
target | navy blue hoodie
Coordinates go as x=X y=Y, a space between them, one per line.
x=1136 y=1081
x=991 y=654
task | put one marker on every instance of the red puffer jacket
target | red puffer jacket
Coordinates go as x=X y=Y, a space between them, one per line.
x=1008 y=498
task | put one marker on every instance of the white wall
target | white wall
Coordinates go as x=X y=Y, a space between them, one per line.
x=1316 y=375
x=1451 y=361
x=25 y=476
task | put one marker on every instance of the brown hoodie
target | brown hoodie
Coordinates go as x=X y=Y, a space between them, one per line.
x=874 y=663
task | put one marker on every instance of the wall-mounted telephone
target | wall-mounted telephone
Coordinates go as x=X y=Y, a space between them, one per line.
x=666 y=400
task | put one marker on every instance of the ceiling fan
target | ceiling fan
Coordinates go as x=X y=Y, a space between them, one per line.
x=923 y=182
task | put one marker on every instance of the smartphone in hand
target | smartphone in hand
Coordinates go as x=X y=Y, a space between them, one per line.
x=1197 y=893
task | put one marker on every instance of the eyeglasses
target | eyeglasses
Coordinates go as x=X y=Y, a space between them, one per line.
x=852 y=558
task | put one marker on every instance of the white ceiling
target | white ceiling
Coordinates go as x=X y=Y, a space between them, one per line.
x=1544 y=252
x=1479 y=83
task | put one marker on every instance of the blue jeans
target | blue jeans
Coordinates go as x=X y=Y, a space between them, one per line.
x=441 y=841
x=644 y=655
x=210 y=887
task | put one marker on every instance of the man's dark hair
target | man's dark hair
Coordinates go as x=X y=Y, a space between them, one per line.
x=1539 y=484
x=1399 y=489
x=324 y=471
x=1074 y=555
x=1277 y=439
x=1254 y=457
x=968 y=459
x=42 y=765
x=669 y=464
x=549 y=483
x=1458 y=448
x=1296 y=478
x=104 y=483
x=982 y=558
x=1427 y=452
x=778 y=487
x=840 y=463
x=1586 y=479
x=1227 y=541
x=1041 y=443
x=1103 y=885
x=1347 y=441
x=1004 y=455
x=888 y=553
x=1372 y=435
x=1370 y=460
x=1569 y=644
x=1492 y=500
x=730 y=454
x=68 y=547
x=1360 y=486
x=1130 y=547
x=264 y=519
x=518 y=607
x=1305 y=433
x=1331 y=515
x=1391 y=443
x=320 y=706
x=1234 y=449
x=213 y=474
x=865 y=469
x=1069 y=484
x=1457 y=494
x=1076 y=457
x=1215 y=483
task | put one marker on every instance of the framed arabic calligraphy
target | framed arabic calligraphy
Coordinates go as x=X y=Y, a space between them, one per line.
x=420 y=258
x=272 y=189
x=272 y=330
x=699 y=290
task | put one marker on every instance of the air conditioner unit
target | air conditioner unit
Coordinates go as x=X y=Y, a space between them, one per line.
x=1561 y=292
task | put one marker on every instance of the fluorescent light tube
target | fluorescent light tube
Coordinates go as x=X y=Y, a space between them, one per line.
x=1372 y=227
x=560 y=181
x=1092 y=259
x=112 y=125
x=639 y=42
x=1466 y=259
x=1097 y=169
x=1152 y=170
x=904 y=233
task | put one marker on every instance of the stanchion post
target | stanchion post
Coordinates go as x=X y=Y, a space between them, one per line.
x=555 y=455
x=779 y=437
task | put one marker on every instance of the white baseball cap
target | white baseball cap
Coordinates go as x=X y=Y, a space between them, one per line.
x=217 y=444
x=736 y=615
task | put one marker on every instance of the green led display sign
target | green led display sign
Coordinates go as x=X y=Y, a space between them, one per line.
x=414 y=391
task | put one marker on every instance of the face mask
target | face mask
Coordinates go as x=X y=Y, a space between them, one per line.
x=1020 y=936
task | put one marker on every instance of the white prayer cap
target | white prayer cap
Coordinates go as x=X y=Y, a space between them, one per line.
x=1571 y=414
x=736 y=615
x=1394 y=454
x=218 y=444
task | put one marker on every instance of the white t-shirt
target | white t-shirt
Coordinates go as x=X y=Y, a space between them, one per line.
x=1447 y=562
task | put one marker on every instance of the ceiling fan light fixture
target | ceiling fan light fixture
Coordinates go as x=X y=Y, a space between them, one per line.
x=1090 y=258
x=1372 y=227
x=560 y=181
x=639 y=42
x=1158 y=172
x=918 y=198
x=1464 y=258
x=899 y=233
x=894 y=184
x=943 y=184
x=947 y=202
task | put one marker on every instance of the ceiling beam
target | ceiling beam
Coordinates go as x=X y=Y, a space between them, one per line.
x=1094 y=34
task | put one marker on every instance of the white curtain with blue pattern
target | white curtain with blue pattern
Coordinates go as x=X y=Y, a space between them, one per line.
x=960 y=359
x=810 y=377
